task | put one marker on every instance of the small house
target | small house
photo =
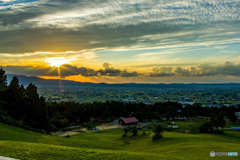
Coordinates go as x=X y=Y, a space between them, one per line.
x=128 y=121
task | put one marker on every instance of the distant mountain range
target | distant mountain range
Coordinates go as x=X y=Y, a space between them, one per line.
x=53 y=83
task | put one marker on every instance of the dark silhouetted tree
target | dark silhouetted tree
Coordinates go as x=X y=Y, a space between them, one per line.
x=15 y=97
x=233 y=118
x=134 y=130
x=35 y=108
x=3 y=87
x=3 y=80
x=217 y=120
x=158 y=132
x=126 y=130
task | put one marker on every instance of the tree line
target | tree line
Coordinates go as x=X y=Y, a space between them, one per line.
x=24 y=107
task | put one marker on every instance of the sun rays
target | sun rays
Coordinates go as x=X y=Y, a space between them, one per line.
x=57 y=61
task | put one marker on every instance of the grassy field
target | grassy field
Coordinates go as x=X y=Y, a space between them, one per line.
x=109 y=144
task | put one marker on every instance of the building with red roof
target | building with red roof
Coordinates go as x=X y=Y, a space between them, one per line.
x=128 y=121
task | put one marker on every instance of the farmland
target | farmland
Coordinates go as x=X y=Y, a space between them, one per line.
x=206 y=96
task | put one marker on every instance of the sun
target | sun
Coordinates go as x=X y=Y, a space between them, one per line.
x=57 y=61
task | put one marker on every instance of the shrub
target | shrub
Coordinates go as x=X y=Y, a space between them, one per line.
x=67 y=136
x=158 y=132
x=218 y=131
x=126 y=130
x=158 y=129
x=124 y=135
x=156 y=137
x=134 y=131
x=206 y=127
x=144 y=132
x=51 y=128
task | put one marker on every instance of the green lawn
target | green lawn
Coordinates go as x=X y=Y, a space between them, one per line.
x=109 y=144
x=185 y=126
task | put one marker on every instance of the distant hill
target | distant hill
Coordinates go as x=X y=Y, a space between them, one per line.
x=53 y=83
x=40 y=82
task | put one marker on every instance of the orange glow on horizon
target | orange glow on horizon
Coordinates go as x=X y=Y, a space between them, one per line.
x=76 y=78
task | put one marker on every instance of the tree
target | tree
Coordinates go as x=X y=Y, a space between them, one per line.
x=188 y=111
x=158 y=132
x=3 y=87
x=206 y=127
x=158 y=129
x=140 y=116
x=126 y=130
x=35 y=108
x=233 y=118
x=217 y=120
x=15 y=97
x=3 y=80
x=134 y=130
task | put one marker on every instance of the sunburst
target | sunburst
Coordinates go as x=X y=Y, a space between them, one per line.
x=57 y=61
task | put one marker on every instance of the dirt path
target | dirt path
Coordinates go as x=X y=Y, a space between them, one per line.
x=7 y=158
x=111 y=125
x=108 y=126
x=77 y=131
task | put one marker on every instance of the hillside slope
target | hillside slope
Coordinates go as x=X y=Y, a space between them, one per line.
x=108 y=144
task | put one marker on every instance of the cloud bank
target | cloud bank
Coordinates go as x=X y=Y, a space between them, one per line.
x=201 y=70
x=225 y=69
x=69 y=70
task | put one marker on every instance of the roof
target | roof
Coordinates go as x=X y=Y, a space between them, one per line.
x=129 y=120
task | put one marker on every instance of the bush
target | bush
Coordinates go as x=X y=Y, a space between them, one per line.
x=124 y=135
x=134 y=131
x=158 y=132
x=218 y=131
x=59 y=122
x=11 y=121
x=144 y=132
x=67 y=136
x=126 y=130
x=156 y=137
x=51 y=128
x=158 y=129
x=194 y=130
x=206 y=127
x=8 y=120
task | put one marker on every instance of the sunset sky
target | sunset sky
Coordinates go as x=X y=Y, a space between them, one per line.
x=122 y=41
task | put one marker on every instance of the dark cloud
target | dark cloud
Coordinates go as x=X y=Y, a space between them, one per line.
x=109 y=70
x=226 y=69
x=68 y=70
x=65 y=70
x=125 y=73
x=162 y=72
x=181 y=72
